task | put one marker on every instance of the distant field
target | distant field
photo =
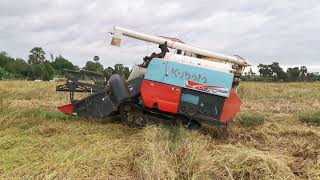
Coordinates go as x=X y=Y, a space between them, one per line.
x=36 y=141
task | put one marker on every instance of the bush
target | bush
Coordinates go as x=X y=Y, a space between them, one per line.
x=3 y=73
x=41 y=71
x=48 y=72
x=251 y=119
x=312 y=118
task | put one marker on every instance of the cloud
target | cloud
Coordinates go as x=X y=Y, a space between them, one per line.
x=262 y=31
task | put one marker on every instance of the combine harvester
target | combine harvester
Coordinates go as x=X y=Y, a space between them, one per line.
x=181 y=82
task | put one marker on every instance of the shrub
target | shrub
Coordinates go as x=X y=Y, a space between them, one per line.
x=48 y=72
x=312 y=118
x=3 y=73
x=41 y=71
x=251 y=119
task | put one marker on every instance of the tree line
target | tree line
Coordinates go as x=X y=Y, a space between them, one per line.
x=38 y=67
x=274 y=73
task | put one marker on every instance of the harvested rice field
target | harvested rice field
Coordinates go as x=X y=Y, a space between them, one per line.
x=276 y=136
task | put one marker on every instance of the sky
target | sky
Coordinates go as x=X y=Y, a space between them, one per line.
x=261 y=31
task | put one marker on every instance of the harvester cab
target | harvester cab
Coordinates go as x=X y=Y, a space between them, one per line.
x=181 y=82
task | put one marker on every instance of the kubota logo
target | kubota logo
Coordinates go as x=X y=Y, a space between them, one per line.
x=188 y=76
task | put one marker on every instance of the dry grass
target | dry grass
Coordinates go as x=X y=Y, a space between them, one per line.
x=37 y=142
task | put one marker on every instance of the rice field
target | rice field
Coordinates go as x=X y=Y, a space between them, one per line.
x=276 y=136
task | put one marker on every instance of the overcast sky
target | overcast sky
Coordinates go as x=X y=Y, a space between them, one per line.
x=262 y=31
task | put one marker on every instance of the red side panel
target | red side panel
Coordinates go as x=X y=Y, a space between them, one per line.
x=167 y=97
x=231 y=107
x=66 y=109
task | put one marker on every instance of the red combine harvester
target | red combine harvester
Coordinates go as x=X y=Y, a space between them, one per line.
x=181 y=82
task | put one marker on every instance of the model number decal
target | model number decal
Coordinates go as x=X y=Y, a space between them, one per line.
x=206 y=88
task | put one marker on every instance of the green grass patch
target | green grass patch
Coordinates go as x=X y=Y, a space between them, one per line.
x=44 y=114
x=250 y=120
x=176 y=136
x=312 y=118
x=54 y=115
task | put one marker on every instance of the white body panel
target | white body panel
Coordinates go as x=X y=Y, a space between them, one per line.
x=137 y=72
x=198 y=62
